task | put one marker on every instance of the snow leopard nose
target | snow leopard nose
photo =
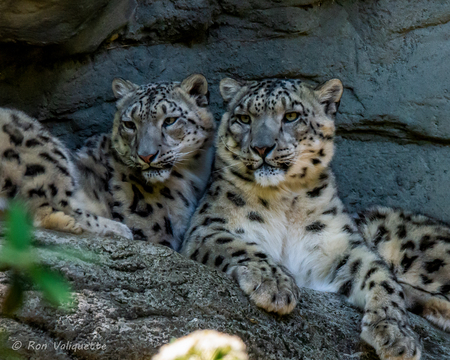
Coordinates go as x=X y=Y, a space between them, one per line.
x=148 y=158
x=263 y=151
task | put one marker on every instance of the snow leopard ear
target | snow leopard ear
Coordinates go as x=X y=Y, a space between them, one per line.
x=197 y=87
x=122 y=87
x=329 y=95
x=229 y=88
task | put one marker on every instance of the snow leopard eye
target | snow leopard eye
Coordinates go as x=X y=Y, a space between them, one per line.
x=170 y=121
x=291 y=116
x=245 y=119
x=129 y=125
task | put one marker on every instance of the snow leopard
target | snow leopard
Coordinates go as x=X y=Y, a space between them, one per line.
x=142 y=181
x=272 y=218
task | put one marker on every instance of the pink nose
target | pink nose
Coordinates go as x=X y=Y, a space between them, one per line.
x=148 y=159
x=261 y=151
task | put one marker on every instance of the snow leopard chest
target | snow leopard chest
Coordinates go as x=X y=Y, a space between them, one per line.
x=294 y=234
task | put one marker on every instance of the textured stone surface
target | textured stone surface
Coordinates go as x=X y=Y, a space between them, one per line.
x=391 y=57
x=131 y=297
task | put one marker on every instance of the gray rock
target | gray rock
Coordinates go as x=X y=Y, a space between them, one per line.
x=78 y=26
x=133 y=297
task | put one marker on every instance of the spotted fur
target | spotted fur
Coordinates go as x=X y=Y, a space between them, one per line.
x=36 y=168
x=272 y=218
x=417 y=249
x=145 y=178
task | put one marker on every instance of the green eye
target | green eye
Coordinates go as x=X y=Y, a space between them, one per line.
x=244 y=119
x=129 y=125
x=169 y=121
x=292 y=116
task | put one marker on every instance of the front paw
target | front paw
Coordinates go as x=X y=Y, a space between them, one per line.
x=112 y=228
x=268 y=286
x=393 y=341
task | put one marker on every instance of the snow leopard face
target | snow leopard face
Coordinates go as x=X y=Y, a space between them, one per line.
x=161 y=126
x=278 y=130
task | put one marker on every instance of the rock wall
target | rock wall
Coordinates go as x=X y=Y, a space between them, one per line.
x=57 y=63
x=131 y=297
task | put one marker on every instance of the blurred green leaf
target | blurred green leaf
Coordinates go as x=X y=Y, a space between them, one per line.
x=18 y=232
x=54 y=287
x=14 y=297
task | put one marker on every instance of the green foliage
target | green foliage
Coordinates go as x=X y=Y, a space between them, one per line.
x=19 y=256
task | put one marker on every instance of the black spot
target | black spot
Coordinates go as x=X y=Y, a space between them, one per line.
x=32 y=143
x=204 y=208
x=426 y=243
x=10 y=154
x=264 y=203
x=323 y=176
x=225 y=268
x=239 y=231
x=166 y=193
x=177 y=174
x=408 y=245
x=209 y=221
x=156 y=228
x=159 y=205
x=445 y=289
x=342 y=262
x=444 y=239
x=407 y=262
x=425 y=280
x=235 y=199
x=433 y=266
x=254 y=216
x=332 y=211
x=60 y=154
x=346 y=288
x=348 y=229
x=224 y=240
x=389 y=289
x=316 y=227
x=63 y=203
x=168 y=226
x=194 y=255
x=166 y=243
x=48 y=158
x=205 y=258
x=368 y=275
x=139 y=206
x=147 y=188
x=68 y=193
x=239 y=253
x=235 y=173
x=261 y=255
x=138 y=234
x=355 y=266
x=15 y=136
x=117 y=216
x=371 y=285
x=401 y=231
x=183 y=198
x=316 y=191
x=63 y=170
x=34 y=170
x=219 y=260
x=39 y=192
x=380 y=235
x=316 y=161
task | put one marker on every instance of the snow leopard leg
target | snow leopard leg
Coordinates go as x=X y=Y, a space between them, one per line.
x=368 y=283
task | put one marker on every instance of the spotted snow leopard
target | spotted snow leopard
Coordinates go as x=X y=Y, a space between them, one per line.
x=142 y=181
x=272 y=219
